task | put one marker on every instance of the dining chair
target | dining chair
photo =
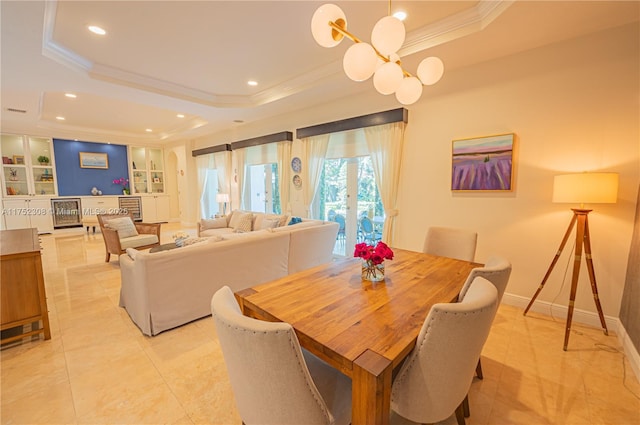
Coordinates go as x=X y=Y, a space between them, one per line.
x=451 y=242
x=273 y=381
x=343 y=224
x=369 y=233
x=434 y=380
x=496 y=270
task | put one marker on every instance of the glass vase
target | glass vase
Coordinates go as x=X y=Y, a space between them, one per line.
x=372 y=272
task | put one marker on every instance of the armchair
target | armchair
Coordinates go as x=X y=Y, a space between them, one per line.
x=120 y=232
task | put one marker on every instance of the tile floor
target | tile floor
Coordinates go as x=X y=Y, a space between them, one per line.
x=98 y=368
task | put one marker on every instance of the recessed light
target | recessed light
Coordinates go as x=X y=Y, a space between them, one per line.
x=96 y=30
x=71 y=95
x=400 y=14
x=180 y=115
x=148 y=130
x=60 y=118
x=252 y=83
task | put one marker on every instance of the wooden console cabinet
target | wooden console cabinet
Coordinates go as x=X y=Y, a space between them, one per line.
x=23 y=299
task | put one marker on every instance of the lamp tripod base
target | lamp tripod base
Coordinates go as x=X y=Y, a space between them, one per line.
x=581 y=217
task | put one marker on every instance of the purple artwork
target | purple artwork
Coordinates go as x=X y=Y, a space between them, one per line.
x=484 y=163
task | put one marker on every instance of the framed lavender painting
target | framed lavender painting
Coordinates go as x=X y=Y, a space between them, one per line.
x=483 y=163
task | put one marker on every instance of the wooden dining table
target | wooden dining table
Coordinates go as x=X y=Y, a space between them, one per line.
x=364 y=329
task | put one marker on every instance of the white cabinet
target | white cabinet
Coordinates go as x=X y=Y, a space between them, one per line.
x=147 y=169
x=27 y=213
x=27 y=166
x=93 y=205
x=155 y=208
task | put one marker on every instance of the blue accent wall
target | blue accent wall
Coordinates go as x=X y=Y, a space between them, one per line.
x=76 y=181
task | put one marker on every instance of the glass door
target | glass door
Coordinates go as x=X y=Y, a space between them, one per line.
x=348 y=192
x=262 y=193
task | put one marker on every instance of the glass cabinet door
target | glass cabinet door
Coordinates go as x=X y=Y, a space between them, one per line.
x=139 y=166
x=156 y=165
x=14 y=168
x=42 y=170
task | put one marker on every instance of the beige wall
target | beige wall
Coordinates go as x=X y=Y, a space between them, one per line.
x=573 y=107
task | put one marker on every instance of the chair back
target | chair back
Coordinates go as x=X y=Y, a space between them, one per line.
x=496 y=270
x=367 y=224
x=451 y=242
x=268 y=373
x=437 y=374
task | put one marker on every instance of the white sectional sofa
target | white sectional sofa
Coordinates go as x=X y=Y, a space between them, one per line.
x=166 y=289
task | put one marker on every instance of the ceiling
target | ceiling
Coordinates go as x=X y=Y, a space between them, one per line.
x=164 y=58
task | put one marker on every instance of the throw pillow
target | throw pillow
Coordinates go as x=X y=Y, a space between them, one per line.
x=124 y=226
x=269 y=223
x=234 y=218
x=244 y=223
x=295 y=220
x=213 y=223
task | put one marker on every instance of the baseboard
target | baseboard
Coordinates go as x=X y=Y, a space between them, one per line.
x=629 y=350
x=584 y=317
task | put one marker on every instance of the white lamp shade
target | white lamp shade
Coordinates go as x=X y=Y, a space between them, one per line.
x=409 y=91
x=360 y=61
x=387 y=78
x=222 y=197
x=586 y=188
x=388 y=35
x=322 y=32
x=430 y=70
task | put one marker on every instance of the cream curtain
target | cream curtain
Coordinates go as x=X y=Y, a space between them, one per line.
x=222 y=163
x=314 y=150
x=203 y=162
x=284 y=186
x=385 y=144
x=239 y=170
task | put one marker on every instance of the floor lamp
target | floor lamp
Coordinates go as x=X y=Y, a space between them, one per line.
x=223 y=198
x=592 y=188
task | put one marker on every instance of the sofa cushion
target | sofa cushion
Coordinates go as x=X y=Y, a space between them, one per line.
x=213 y=223
x=234 y=217
x=124 y=226
x=243 y=224
x=139 y=240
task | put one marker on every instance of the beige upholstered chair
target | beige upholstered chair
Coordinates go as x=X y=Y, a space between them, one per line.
x=119 y=233
x=273 y=382
x=451 y=242
x=497 y=271
x=435 y=378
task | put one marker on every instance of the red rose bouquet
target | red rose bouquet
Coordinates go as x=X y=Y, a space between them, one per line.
x=372 y=259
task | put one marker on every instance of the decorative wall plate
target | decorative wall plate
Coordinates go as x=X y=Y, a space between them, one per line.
x=296 y=164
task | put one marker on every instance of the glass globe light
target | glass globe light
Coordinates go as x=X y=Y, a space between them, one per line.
x=387 y=78
x=322 y=32
x=360 y=61
x=430 y=70
x=409 y=91
x=388 y=35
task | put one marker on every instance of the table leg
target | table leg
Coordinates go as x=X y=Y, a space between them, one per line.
x=371 y=389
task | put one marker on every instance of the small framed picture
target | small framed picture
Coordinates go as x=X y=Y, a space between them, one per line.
x=94 y=160
x=18 y=159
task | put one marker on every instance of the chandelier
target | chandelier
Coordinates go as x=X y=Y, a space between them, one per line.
x=380 y=58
